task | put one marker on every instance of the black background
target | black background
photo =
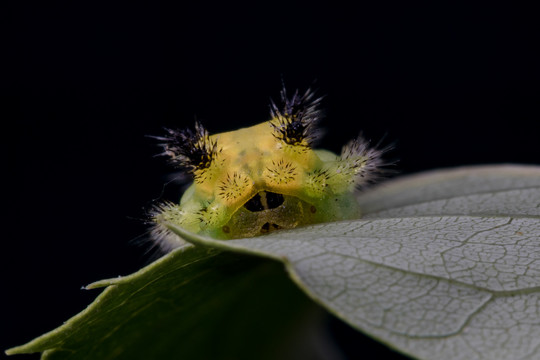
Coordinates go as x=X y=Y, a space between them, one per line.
x=448 y=84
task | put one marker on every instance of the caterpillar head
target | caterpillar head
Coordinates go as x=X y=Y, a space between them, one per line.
x=266 y=177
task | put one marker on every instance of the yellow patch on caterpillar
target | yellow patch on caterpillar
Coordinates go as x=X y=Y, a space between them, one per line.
x=280 y=172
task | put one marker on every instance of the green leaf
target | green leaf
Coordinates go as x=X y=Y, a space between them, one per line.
x=191 y=304
x=444 y=265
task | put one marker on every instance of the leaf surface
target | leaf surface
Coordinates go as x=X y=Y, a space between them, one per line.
x=444 y=265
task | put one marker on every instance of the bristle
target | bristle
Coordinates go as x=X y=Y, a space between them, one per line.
x=297 y=118
x=190 y=149
x=163 y=237
x=233 y=186
x=281 y=172
x=317 y=181
x=364 y=160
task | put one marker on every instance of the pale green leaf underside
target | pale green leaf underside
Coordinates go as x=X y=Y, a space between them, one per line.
x=444 y=265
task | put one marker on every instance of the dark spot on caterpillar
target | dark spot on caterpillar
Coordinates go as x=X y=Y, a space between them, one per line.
x=264 y=200
x=273 y=200
x=267 y=227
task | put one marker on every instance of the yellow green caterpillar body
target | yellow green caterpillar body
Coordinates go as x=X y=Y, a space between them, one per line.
x=266 y=177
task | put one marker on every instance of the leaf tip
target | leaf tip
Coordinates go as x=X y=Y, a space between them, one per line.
x=15 y=350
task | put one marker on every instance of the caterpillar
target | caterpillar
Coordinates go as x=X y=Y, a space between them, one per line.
x=263 y=178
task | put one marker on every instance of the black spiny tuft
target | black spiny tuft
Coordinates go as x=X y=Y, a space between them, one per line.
x=297 y=118
x=190 y=149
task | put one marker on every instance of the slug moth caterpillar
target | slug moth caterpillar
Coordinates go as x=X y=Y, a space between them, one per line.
x=265 y=177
